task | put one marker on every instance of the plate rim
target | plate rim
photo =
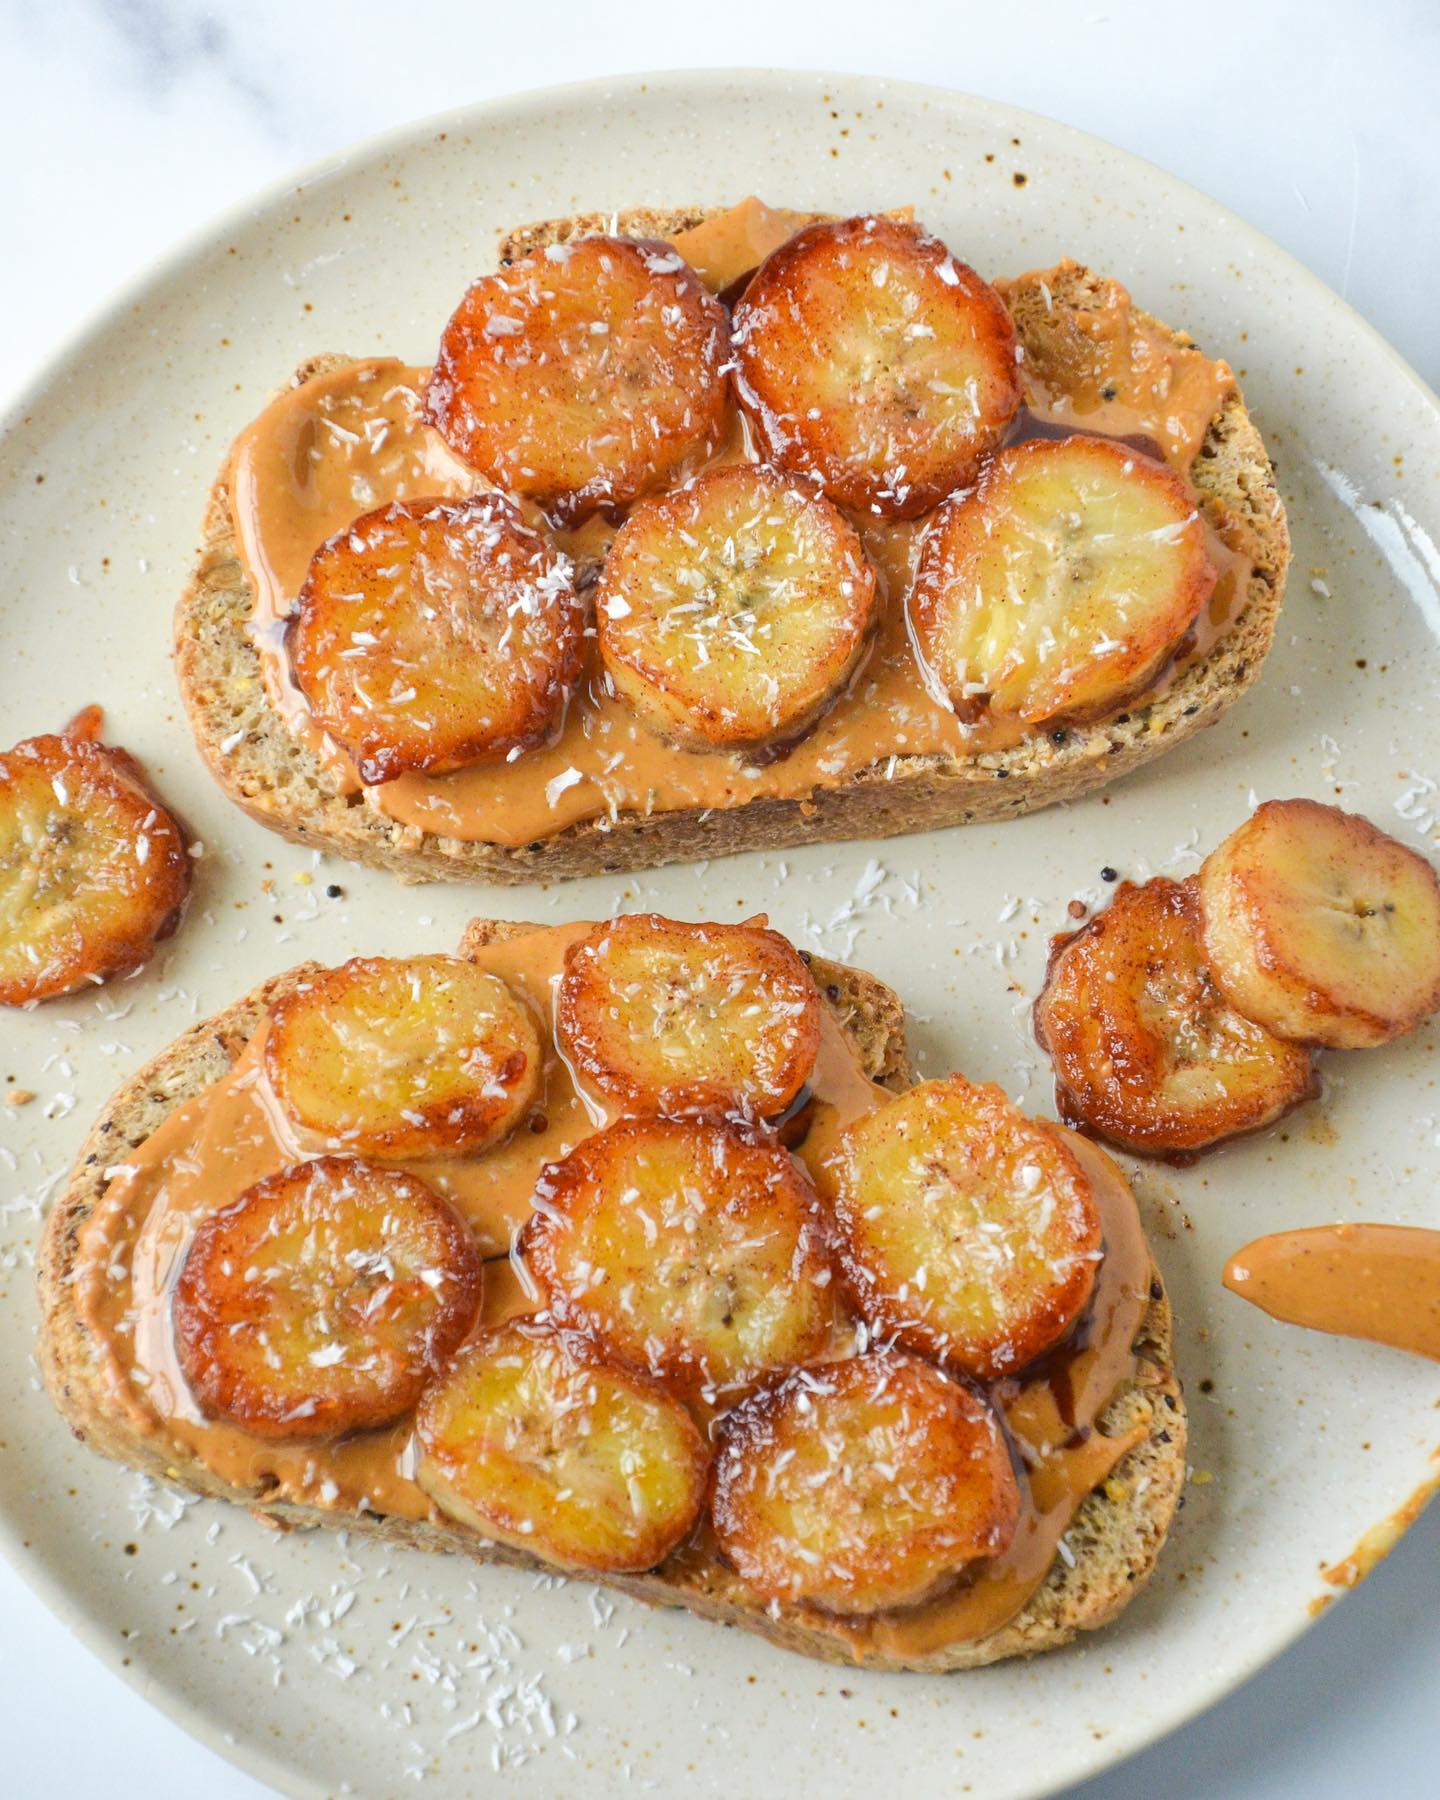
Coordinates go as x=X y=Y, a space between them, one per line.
x=183 y=249
x=637 y=89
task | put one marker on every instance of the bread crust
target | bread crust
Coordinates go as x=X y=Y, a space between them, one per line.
x=1114 y=1539
x=283 y=785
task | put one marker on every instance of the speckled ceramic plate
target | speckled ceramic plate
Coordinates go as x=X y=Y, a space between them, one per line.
x=328 y=1668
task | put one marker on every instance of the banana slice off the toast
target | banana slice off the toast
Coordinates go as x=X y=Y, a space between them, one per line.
x=967 y=1232
x=1056 y=589
x=534 y=1439
x=863 y=1485
x=584 y=375
x=324 y=1299
x=402 y=1057
x=1148 y=1052
x=92 y=870
x=718 y=1021
x=1321 y=927
x=431 y=633
x=732 y=610
x=870 y=359
x=692 y=1250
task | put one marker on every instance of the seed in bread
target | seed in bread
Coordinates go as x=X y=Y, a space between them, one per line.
x=692 y=1250
x=967 y=1232
x=532 y=1438
x=862 y=1485
x=682 y=1019
x=584 y=375
x=431 y=633
x=1148 y=1052
x=323 y=1300
x=404 y=1057
x=870 y=359
x=1321 y=927
x=1058 y=586
x=732 y=610
x=93 y=871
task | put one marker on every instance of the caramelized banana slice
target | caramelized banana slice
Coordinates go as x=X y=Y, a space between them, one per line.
x=1061 y=584
x=431 y=633
x=713 y=1020
x=862 y=1485
x=732 y=611
x=92 y=870
x=533 y=1439
x=1321 y=927
x=583 y=375
x=1147 y=1052
x=324 y=1299
x=868 y=358
x=411 y=1057
x=691 y=1250
x=967 y=1232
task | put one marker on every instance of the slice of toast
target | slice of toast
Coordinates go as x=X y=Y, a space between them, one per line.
x=262 y=767
x=1113 y=1541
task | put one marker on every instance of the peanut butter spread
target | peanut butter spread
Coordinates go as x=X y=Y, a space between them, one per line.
x=729 y=245
x=315 y=460
x=355 y=438
x=1108 y=363
x=212 y=1147
x=1380 y=1282
x=1051 y=1413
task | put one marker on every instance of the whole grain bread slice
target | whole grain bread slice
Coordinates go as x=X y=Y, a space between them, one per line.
x=1113 y=1541
x=280 y=782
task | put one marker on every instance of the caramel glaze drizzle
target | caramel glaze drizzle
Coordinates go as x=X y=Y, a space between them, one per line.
x=215 y=1145
x=355 y=438
x=1379 y=1282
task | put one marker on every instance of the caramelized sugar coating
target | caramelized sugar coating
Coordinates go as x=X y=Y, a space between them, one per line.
x=92 y=870
x=584 y=375
x=431 y=633
x=404 y=1057
x=967 y=1232
x=709 y=1020
x=691 y=1250
x=532 y=1438
x=862 y=1485
x=1060 y=585
x=870 y=359
x=1321 y=927
x=733 y=610
x=323 y=1300
x=1148 y=1053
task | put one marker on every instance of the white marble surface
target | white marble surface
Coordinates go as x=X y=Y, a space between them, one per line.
x=126 y=123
